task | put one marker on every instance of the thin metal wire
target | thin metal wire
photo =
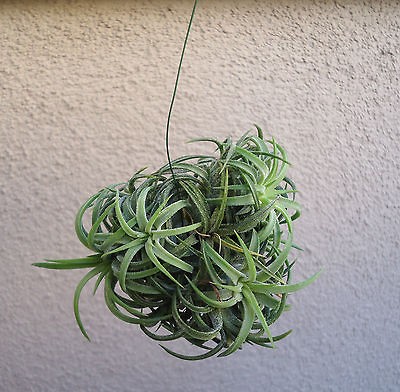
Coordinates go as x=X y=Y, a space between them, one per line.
x=176 y=87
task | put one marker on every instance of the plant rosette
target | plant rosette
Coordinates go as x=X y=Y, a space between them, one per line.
x=199 y=248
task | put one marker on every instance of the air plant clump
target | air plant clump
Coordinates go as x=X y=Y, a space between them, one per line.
x=200 y=247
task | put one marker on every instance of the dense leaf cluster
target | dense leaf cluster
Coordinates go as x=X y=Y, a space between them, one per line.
x=201 y=252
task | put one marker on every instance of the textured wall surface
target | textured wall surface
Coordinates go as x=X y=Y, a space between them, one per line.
x=85 y=89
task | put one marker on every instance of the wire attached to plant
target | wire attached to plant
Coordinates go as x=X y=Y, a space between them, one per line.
x=176 y=88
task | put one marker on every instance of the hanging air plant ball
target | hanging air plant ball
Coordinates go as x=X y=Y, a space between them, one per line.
x=199 y=247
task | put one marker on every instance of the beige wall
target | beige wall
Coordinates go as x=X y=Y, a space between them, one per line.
x=85 y=88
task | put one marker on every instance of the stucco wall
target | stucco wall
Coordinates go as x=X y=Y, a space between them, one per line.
x=85 y=88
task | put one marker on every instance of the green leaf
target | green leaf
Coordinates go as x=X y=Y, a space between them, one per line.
x=244 y=168
x=248 y=223
x=124 y=225
x=241 y=200
x=257 y=162
x=245 y=328
x=252 y=186
x=162 y=338
x=280 y=289
x=141 y=288
x=85 y=262
x=210 y=267
x=205 y=139
x=274 y=167
x=229 y=155
x=58 y=266
x=193 y=168
x=91 y=274
x=169 y=212
x=95 y=226
x=235 y=289
x=141 y=215
x=254 y=304
x=208 y=354
x=260 y=133
x=266 y=231
x=199 y=202
x=129 y=255
x=117 y=236
x=111 y=298
x=156 y=214
x=215 y=303
x=79 y=229
x=191 y=306
x=260 y=340
x=255 y=242
x=141 y=274
x=129 y=245
x=186 y=246
x=169 y=258
x=288 y=220
x=278 y=262
x=251 y=267
x=218 y=260
x=192 y=332
x=221 y=208
x=154 y=259
x=282 y=173
x=158 y=234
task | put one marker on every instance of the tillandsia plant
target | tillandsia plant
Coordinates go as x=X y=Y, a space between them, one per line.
x=202 y=251
x=199 y=248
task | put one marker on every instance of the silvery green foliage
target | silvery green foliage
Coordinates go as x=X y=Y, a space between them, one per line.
x=202 y=253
